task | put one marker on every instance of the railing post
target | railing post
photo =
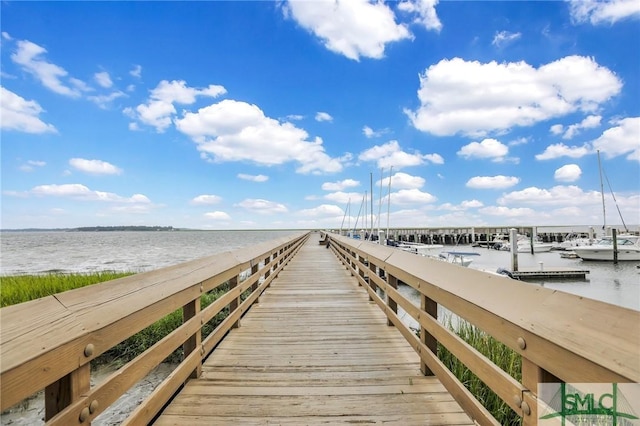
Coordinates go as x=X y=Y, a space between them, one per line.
x=254 y=287
x=372 y=272
x=430 y=307
x=268 y=271
x=532 y=375
x=233 y=283
x=393 y=305
x=194 y=342
x=68 y=389
x=361 y=271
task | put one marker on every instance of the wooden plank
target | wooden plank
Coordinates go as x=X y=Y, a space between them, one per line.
x=313 y=350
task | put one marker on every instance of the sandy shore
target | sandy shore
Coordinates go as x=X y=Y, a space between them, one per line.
x=31 y=411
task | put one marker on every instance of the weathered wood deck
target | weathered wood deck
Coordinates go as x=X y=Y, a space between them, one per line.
x=313 y=351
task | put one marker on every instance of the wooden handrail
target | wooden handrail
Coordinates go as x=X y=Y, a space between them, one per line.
x=560 y=336
x=64 y=332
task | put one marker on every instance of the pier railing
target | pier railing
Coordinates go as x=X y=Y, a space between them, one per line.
x=559 y=336
x=48 y=344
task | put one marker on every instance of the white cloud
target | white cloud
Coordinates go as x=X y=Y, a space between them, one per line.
x=262 y=206
x=620 y=139
x=323 y=116
x=217 y=215
x=340 y=185
x=568 y=173
x=31 y=164
x=94 y=167
x=488 y=148
x=391 y=155
x=370 y=133
x=473 y=98
x=603 y=12
x=560 y=195
x=503 y=38
x=136 y=71
x=237 y=131
x=353 y=28
x=561 y=150
x=21 y=115
x=556 y=129
x=159 y=109
x=588 y=123
x=507 y=212
x=324 y=210
x=29 y=56
x=492 y=182
x=206 y=199
x=410 y=196
x=103 y=79
x=402 y=181
x=103 y=101
x=426 y=12
x=344 y=197
x=253 y=178
x=81 y=192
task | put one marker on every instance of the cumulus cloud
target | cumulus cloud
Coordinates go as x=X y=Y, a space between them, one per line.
x=391 y=155
x=136 y=71
x=492 y=182
x=253 y=178
x=94 y=167
x=568 y=173
x=488 y=148
x=103 y=79
x=323 y=210
x=603 y=11
x=620 y=139
x=323 y=116
x=343 y=197
x=30 y=165
x=573 y=130
x=261 y=206
x=561 y=150
x=30 y=57
x=353 y=28
x=474 y=98
x=159 y=110
x=503 y=38
x=424 y=11
x=402 y=181
x=370 y=133
x=340 y=185
x=237 y=131
x=410 y=196
x=21 y=115
x=205 y=200
x=82 y=192
x=560 y=195
x=217 y=215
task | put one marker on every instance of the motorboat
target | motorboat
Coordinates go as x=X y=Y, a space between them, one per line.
x=628 y=248
x=462 y=258
x=421 y=249
x=524 y=245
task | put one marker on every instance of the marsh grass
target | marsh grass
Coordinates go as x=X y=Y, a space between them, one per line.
x=23 y=288
x=16 y=289
x=501 y=355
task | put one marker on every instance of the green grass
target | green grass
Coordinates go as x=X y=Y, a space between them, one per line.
x=16 y=289
x=501 y=355
x=23 y=288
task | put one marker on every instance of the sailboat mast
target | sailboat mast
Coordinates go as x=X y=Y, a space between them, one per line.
x=388 y=204
x=604 y=213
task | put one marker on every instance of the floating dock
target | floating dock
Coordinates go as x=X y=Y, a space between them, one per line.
x=549 y=273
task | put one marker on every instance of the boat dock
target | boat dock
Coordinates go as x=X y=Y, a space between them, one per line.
x=554 y=272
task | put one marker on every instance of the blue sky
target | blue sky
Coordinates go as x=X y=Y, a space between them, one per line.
x=259 y=115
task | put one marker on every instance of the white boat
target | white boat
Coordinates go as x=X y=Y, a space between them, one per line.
x=421 y=249
x=572 y=240
x=628 y=248
x=524 y=246
x=462 y=258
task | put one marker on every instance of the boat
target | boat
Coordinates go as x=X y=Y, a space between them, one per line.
x=524 y=245
x=418 y=248
x=628 y=248
x=572 y=240
x=462 y=258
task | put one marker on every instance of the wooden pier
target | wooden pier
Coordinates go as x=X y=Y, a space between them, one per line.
x=304 y=333
x=554 y=272
x=314 y=351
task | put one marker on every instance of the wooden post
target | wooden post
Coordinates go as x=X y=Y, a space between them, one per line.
x=268 y=271
x=372 y=272
x=532 y=375
x=361 y=270
x=393 y=305
x=233 y=283
x=194 y=342
x=430 y=307
x=68 y=389
x=254 y=287
x=614 y=236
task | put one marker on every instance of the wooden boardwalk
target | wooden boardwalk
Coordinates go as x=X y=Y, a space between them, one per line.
x=313 y=351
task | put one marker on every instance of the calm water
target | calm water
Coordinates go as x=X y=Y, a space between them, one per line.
x=40 y=252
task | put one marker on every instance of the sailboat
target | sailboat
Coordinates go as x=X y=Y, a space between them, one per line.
x=628 y=245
